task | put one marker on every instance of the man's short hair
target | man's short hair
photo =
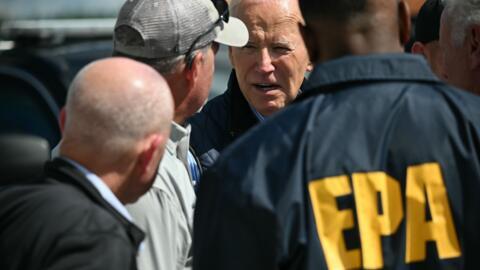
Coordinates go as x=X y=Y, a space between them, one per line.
x=461 y=14
x=427 y=24
x=331 y=9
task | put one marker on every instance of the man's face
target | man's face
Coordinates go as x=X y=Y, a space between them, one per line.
x=202 y=76
x=271 y=67
x=454 y=59
x=207 y=69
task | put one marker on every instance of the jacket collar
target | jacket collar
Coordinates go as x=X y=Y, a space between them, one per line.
x=102 y=188
x=379 y=67
x=62 y=171
x=242 y=117
x=336 y=74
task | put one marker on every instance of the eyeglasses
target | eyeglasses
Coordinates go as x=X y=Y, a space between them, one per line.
x=222 y=8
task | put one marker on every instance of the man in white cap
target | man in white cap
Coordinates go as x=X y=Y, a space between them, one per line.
x=179 y=39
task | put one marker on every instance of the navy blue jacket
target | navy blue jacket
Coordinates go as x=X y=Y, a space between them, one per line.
x=64 y=223
x=221 y=121
x=377 y=166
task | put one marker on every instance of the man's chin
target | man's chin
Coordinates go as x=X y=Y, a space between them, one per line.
x=270 y=108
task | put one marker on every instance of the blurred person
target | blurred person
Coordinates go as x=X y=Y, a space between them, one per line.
x=375 y=167
x=179 y=39
x=268 y=74
x=427 y=27
x=460 y=44
x=109 y=155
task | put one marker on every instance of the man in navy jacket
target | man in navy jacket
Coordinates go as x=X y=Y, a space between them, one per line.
x=376 y=166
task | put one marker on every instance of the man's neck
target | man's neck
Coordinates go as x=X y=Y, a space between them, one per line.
x=336 y=41
x=104 y=170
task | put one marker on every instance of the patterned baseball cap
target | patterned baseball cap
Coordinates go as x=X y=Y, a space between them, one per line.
x=169 y=28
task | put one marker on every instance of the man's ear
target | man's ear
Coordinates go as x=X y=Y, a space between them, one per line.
x=418 y=48
x=149 y=155
x=191 y=74
x=474 y=47
x=404 y=23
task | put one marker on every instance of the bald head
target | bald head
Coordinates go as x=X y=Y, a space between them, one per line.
x=115 y=102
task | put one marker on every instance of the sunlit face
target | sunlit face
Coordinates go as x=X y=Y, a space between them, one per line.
x=454 y=59
x=271 y=67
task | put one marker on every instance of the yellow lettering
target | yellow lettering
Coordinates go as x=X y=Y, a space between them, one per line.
x=428 y=177
x=331 y=222
x=372 y=225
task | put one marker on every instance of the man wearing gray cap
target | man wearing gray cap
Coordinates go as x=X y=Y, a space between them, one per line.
x=179 y=39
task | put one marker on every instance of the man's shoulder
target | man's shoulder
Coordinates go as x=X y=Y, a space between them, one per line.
x=166 y=209
x=45 y=196
x=58 y=208
x=441 y=100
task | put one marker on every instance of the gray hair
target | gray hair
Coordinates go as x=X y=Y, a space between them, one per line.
x=461 y=14
x=164 y=66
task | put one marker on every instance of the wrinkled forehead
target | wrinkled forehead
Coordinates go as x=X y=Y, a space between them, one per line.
x=289 y=7
x=267 y=14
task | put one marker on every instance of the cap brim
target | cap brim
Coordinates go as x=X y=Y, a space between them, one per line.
x=234 y=33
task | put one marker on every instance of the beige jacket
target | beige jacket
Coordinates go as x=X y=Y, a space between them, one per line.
x=165 y=212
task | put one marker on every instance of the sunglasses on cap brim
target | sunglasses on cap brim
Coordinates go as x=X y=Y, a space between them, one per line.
x=222 y=9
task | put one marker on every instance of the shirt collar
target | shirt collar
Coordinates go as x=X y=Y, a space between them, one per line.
x=178 y=132
x=103 y=189
x=381 y=67
x=179 y=141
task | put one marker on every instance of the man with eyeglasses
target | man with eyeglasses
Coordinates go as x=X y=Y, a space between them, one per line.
x=179 y=39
